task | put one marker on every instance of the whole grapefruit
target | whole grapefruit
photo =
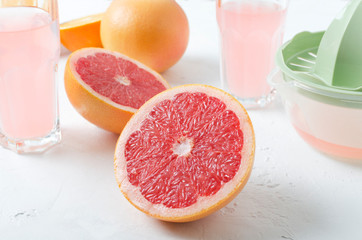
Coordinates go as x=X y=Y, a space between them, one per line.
x=155 y=32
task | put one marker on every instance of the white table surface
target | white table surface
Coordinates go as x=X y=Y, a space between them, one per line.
x=294 y=192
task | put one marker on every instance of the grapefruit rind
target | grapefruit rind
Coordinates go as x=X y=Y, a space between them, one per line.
x=204 y=205
x=94 y=107
x=81 y=21
x=82 y=32
x=155 y=33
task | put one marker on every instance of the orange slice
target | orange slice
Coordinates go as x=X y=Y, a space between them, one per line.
x=81 y=33
x=187 y=152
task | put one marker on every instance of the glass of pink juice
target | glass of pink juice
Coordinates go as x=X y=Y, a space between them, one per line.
x=29 y=54
x=251 y=31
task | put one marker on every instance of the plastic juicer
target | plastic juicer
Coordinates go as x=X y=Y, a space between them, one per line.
x=320 y=82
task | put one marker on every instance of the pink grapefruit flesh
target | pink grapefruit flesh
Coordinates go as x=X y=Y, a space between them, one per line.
x=107 y=87
x=118 y=79
x=187 y=152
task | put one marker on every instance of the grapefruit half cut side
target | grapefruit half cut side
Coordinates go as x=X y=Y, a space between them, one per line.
x=107 y=88
x=186 y=153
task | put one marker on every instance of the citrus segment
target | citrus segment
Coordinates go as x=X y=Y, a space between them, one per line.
x=81 y=33
x=187 y=152
x=107 y=87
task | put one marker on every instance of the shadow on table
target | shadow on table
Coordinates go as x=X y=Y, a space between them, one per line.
x=191 y=70
x=345 y=161
x=64 y=51
x=86 y=142
x=259 y=212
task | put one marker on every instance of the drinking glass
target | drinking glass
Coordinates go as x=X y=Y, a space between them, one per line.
x=29 y=54
x=250 y=33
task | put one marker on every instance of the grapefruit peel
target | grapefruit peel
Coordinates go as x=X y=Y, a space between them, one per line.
x=82 y=32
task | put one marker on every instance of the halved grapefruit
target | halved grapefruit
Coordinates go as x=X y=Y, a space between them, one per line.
x=106 y=87
x=186 y=153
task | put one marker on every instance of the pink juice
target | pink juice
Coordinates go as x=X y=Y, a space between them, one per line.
x=29 y=52
x=330 y=148
x=332 y=129
x=250 y=35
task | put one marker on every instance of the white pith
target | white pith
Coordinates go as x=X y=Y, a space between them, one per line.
x=123 y=80
x=202 y=203
x=183 y=147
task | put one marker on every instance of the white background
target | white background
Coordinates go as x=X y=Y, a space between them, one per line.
x=294 y=192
